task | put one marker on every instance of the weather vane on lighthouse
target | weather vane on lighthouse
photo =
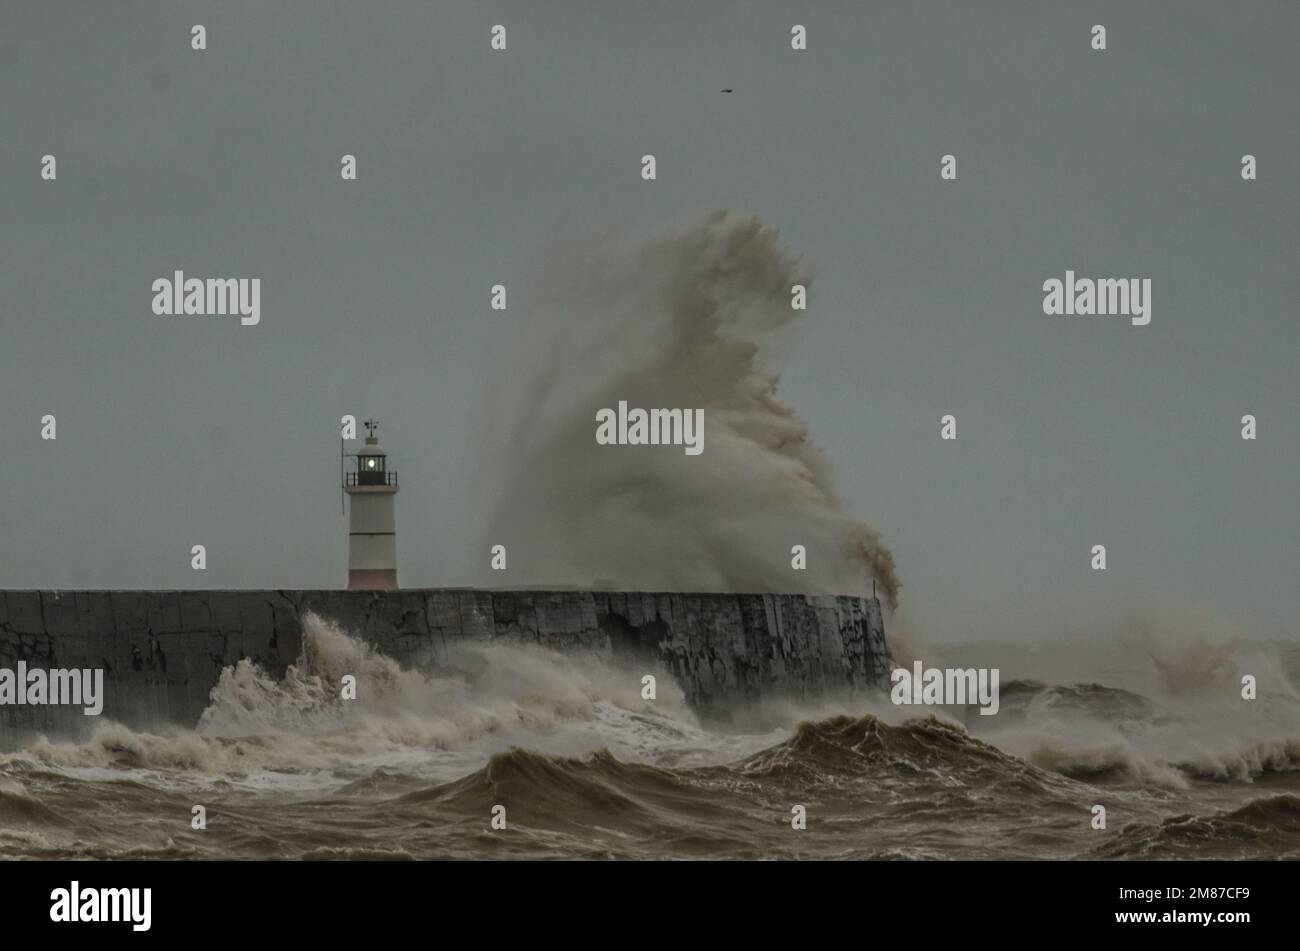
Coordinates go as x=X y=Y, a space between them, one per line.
x=372 y=531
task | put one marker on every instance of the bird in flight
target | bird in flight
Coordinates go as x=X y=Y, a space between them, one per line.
x=728 y=90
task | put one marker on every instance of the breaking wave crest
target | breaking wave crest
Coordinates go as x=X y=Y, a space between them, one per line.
x=1101 y=734
x=486 y=695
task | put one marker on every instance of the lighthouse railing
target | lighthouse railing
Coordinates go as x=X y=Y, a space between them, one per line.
x=386 y=477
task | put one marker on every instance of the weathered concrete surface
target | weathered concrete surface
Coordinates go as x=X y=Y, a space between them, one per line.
x=163 y=651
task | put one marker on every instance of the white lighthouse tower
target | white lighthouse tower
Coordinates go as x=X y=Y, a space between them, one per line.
x=372 y=531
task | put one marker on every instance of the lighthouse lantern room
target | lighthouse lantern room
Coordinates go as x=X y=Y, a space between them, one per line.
x=372 y=530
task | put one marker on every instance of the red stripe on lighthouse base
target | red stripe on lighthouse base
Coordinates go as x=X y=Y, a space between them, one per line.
x=372 y=579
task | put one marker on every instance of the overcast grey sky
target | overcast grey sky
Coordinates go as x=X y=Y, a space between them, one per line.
x=928 y=300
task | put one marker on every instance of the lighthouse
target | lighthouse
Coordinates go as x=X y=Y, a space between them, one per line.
x=372 y=531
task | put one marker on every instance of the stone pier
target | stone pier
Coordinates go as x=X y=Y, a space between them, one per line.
x=163 y=651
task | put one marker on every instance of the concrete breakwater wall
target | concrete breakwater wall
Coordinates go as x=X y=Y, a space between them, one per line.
x=162 y=652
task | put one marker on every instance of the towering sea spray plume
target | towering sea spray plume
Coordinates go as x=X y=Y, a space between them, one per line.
x=687 y=321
